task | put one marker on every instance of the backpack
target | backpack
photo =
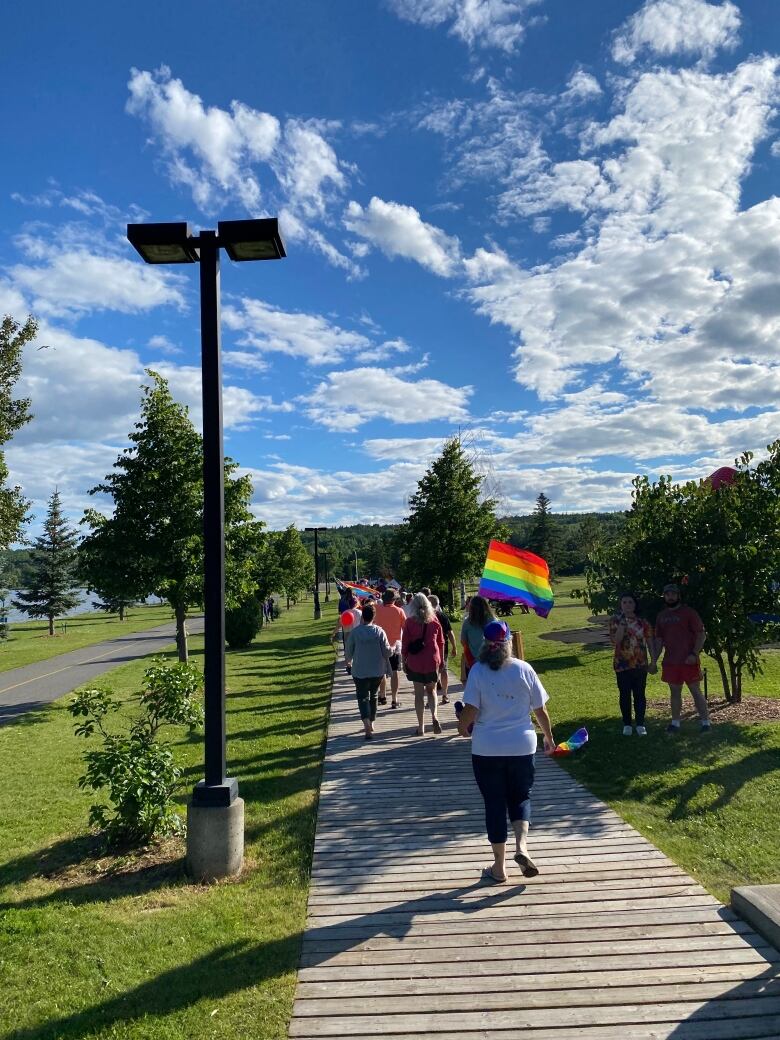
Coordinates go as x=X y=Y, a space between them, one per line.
x=416 y=645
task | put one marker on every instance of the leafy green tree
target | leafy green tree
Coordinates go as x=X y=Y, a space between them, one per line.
x=14 y=413
x=721 y=545
x=54 y=587
x=242 y=623
x=295 y=567
x=116 y=604
x=153 y=542
x=447 y=532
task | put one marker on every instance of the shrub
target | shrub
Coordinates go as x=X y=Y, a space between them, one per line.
x=136 y=770
x=242 y=623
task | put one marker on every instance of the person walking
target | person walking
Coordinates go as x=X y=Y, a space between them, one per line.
x=472 y=628
x=500 y=695
x=679 y=633
x=357 y=618
x=391 y=619
x=408 y=606
x=422 y=652
x=369 y=652
x=449 y=644
x=632 y=638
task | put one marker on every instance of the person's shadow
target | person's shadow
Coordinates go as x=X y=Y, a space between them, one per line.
x=242 y=965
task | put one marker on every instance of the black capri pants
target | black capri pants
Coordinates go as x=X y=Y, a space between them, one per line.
x=505 y=783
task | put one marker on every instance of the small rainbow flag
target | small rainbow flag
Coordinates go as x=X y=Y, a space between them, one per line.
x=517 y=575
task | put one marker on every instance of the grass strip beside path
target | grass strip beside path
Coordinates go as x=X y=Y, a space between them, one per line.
x=29 y=641
x=104 y=948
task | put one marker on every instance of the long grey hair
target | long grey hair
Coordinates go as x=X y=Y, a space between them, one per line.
x=495 y=655
x=422 y=610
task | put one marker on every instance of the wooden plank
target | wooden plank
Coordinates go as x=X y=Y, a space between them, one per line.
x=544 y=965
x=553 y=999
x=448 y=953
x=426 y=1022
x=416 y=983
x=753 y=1028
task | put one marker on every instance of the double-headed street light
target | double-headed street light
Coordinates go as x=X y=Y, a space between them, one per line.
x=215 y=817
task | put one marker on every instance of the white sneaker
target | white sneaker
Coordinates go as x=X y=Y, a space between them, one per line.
x=641 y=731
x=627 y=731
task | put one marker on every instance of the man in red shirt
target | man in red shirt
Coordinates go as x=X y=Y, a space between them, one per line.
x=679 y=632
x=391 y=619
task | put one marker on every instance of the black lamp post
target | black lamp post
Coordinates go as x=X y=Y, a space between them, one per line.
x=175 y=244
x=326 y=558
x=317 y=609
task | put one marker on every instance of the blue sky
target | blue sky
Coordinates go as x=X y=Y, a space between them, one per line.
x=548 y=224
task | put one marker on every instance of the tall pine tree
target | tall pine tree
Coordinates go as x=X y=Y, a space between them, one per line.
x=53 y=591
x=447 y=533
x=544 y=537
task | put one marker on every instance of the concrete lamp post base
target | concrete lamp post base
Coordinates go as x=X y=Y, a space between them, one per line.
x=215 y=840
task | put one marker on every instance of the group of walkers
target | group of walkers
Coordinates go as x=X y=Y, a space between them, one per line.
x=411 y=633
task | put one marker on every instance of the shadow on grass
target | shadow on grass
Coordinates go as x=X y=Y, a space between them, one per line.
x=242 y=965
x=691 y=774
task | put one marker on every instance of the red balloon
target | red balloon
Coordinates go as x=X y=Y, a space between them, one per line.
x=347 y=618
x=724 y=475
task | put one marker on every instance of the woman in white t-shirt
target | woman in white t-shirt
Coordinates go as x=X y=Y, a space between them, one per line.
x=501 y=692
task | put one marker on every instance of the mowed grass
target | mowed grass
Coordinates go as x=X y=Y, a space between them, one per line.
x=93 y=947
x=29 y=641
x=707 y=800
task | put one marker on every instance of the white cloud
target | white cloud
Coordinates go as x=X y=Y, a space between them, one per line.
x=347 y=400
x=399 y=230
x=76 y=280
x=244 y=155
x=582 y=86
x=163 y=344
x=673 y=276
x=225 y=145
x=269 y=329
x=486 y=23
x=670 y=27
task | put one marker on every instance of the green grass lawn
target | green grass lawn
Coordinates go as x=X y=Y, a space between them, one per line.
x=706 y=800
x=99 y=948
x=29 y=641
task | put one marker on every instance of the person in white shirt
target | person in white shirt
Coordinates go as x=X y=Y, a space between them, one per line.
x=501 y=693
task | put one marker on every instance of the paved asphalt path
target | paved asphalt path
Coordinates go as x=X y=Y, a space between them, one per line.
x=23 y=689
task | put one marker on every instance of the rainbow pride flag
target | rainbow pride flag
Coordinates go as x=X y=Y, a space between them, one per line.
x=517 y=575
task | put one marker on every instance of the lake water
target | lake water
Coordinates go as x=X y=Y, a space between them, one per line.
x=88 y=604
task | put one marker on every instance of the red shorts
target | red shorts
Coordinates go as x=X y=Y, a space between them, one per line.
x=679 y=674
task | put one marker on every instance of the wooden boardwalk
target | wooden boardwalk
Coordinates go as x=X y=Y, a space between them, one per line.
x=611 y=941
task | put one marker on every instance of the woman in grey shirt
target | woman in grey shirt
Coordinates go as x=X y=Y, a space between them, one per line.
x=369 y=650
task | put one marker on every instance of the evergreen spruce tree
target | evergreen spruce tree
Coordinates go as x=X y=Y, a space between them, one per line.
x=447 y=533
x=544 y=536
x=53 y=591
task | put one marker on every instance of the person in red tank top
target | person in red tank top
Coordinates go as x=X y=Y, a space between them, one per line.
x=679 y=632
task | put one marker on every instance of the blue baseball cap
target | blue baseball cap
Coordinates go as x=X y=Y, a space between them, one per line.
x=496 y=632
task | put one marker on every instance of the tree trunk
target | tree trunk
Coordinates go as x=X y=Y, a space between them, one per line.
x=452 y=594
x=181 y=634
x=121 y=612
x=288 y=602
x=724 y=676
x=51 y=625
x=736 y=679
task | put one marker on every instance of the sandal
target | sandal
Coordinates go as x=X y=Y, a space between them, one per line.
x=396 y=704
x=526 y=864
x=382 y=700
x=436 y=726
x=488 y=875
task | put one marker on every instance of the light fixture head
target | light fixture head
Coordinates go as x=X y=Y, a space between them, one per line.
x=163 y=243
x=251 y=239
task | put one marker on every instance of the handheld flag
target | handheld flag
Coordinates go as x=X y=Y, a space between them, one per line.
x=574 y=743
x=517 y=575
